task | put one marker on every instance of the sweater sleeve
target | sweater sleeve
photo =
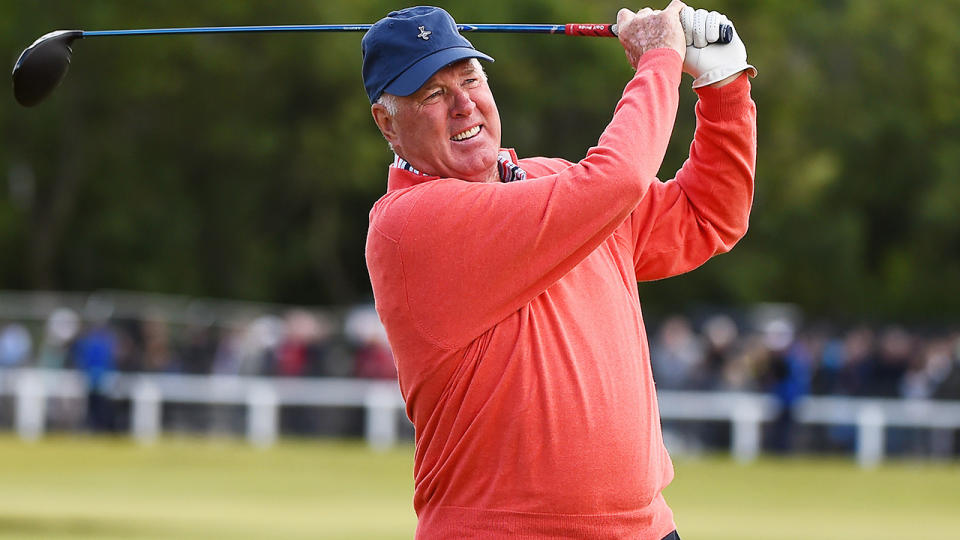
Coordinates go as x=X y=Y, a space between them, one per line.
x=704 y=210
x=468 y=254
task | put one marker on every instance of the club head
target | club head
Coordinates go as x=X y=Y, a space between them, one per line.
x=42 y=66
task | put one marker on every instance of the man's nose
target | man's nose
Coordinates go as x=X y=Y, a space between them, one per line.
x=463 y=104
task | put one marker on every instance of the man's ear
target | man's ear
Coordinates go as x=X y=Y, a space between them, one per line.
x=385 y=122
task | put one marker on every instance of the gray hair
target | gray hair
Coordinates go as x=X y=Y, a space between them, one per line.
x=390 y=102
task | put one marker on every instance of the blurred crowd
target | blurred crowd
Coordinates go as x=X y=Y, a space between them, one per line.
x=98 y=340
x=764 y=352
x=717 y=352
x=791 y=361
x=298 y=343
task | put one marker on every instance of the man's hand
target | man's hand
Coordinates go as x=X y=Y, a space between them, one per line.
x=650 y=29
x=710 y=62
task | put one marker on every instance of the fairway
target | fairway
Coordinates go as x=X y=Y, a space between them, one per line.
x=111 y=488
x=199 y=489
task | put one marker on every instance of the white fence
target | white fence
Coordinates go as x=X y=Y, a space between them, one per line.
x=32 y=389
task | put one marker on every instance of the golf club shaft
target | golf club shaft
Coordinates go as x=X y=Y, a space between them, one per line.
x=568 y=29
x=601 y=30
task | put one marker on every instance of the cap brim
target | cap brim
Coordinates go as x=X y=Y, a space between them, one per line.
x=413 y=78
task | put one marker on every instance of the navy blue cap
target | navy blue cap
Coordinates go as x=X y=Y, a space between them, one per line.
x=404 y=49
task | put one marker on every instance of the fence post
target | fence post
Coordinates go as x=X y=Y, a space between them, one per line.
x=381 y=418
x=147 y=412
x=745 y=443
x=870 y=435
x=941 y=442
x=31 y=405
x=262 y=415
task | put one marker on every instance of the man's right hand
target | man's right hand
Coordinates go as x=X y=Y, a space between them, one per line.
x=650 y=29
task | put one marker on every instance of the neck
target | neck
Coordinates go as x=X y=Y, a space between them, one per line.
x=492 y=175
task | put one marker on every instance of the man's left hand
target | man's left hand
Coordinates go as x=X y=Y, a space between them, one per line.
x=709 y=62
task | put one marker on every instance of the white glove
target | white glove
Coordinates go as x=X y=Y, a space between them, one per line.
x=706 y=60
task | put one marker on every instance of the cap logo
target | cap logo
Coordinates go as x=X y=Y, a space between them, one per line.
x=424 y=33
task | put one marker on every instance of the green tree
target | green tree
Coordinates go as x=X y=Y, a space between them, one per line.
x=245 y=165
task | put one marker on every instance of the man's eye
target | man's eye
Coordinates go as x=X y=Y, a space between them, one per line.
x=471 y=82
x=434 y=96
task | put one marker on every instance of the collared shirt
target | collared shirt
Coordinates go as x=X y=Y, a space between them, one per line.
x=509 y=170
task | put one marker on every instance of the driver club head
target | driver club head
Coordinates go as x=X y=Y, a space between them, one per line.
x=42 y=66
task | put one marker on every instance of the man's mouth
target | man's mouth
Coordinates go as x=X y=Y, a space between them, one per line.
x=464 y=135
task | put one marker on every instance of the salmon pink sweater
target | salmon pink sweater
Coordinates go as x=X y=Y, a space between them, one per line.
x=513 y=313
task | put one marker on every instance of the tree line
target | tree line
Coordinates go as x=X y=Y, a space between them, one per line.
x=244 y=166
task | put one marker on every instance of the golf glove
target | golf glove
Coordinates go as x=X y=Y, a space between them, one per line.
x=706 y=60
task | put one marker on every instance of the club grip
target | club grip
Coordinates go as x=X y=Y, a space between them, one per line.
x=726 y=32
x=591 y=30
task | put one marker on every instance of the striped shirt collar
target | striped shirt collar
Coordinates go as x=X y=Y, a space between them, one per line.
x=509 y=170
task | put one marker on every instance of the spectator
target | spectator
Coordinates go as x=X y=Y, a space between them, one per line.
x=374 y=360
x=890 y=365
x=743 y=372
x=16 y=345
x=295 y=355
x=157 y=356
x=226 y=357
x=197 y=349
x=855 y=371
x=826 y=378
x=60 y=329
x=949 y=387
x=720 y=333
x=926 y=370
x=129 y=345
x=787 y=377
x=94 y=355
x=372 y=355
x=258 y=343
x=676 y=355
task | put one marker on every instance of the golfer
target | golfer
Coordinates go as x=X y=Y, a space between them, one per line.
x=508 y=287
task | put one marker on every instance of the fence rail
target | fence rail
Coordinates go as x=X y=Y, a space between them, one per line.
x=264 y=396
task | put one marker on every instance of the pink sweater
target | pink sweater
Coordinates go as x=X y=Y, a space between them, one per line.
x=514 y=317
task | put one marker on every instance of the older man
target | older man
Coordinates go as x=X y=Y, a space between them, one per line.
x=508 y=287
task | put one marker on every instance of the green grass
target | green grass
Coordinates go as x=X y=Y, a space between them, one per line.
x=190 y=489
x=804 y=499
x=186 y=489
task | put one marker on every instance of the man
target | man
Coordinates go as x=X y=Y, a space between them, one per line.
x=508 y=287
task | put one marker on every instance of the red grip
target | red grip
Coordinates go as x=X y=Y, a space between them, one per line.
x=592 y=30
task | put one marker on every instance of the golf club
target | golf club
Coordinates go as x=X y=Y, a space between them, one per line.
x=42 y=65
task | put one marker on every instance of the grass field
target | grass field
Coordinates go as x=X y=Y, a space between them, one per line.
x=192 y=489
